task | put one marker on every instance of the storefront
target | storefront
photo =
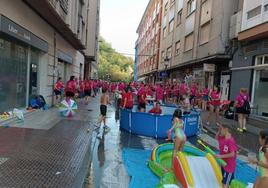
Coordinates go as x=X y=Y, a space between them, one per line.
x=19 y=60
x=260 y=85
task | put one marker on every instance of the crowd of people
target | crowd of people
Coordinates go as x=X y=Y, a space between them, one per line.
x=187 y=96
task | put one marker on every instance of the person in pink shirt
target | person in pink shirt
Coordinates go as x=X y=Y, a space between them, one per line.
x=242 y=108
x=205 y=98
x=228 y=152
x=183 y=89
x=215 y=103
x=58 y=88
x=70 y=89
x=167 y=93
x=176 y=93
x=159 y=94
x=193 y=92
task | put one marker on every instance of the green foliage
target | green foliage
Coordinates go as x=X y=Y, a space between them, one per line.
x=113 y=65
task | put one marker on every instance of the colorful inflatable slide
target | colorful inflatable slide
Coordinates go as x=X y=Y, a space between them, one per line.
x=192 y=168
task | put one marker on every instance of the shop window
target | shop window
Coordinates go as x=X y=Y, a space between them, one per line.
x=13 y=61
x=260 y=92
x=261 y=60
x=254 y=12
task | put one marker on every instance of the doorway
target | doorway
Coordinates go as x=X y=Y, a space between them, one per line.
x=225 y=86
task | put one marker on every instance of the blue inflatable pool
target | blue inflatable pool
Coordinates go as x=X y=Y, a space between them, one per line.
x=151 y=125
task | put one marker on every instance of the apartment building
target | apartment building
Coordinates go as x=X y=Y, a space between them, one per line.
x=92 y=39
x=250 y=60
x=148 y=43
x=39 y=42
x=195 y=40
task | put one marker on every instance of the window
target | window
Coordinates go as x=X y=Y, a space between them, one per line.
x=204 y=33
x=171 y=25
x=165 y=32
x=169 y=54
x=179 y=14
x=166 y=7
x=162 y=55
x=64 y=5
x=266 y=8
x=189 y=42
x=254 y=12
x=191 y=6
x=261 y=60
x=177 y=47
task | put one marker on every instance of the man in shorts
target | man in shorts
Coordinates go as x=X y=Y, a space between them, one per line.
x=104 y=101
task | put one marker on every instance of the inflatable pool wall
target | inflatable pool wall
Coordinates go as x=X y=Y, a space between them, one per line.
x=151 y=125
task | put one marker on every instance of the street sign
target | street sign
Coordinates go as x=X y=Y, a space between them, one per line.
x=163 y=74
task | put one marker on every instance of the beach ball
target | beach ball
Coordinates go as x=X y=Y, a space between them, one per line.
x=68 y=108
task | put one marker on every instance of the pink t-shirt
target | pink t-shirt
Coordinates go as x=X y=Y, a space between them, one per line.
x=159 y=93
x=193 y=89
x=183 y=89
x=205 y=91
x=228 y=146
x=241 y=98
x=176 y=90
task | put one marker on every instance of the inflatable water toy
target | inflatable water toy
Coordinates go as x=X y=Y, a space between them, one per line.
x=68 y=108
x=156 y=126
x=192 y=168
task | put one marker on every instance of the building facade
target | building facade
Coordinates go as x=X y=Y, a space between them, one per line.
x=39 y=42
x=250 y=61
x=92 y=39
x=195 y=39
x=148 y=43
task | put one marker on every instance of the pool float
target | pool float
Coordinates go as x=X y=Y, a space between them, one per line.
x=192 y=168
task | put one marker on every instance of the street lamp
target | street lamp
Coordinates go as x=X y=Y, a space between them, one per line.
x=166 y=63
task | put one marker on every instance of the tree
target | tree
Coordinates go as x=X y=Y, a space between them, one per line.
x=114 y=65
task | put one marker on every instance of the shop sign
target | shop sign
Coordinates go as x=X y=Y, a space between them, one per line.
x=163 y=74
x=10 y=28
x=209 y=67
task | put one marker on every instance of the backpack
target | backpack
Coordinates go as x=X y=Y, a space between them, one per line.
x=246 y=107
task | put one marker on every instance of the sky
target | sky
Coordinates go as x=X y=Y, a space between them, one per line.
x=119 y=20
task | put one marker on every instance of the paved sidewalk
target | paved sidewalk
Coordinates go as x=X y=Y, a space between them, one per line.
x=46 y=150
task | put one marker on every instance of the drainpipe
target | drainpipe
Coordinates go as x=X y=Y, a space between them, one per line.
x=54 y=68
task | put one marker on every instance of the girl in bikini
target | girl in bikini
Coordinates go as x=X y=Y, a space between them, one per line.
x=180 y=137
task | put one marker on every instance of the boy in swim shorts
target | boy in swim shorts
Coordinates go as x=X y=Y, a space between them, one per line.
x=104 y=101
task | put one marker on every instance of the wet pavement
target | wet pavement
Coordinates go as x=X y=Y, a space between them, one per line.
x=56 y=153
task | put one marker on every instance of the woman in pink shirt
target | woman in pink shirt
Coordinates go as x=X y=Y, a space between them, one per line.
x=71 y=88
x=159 y=94
x=205 y=98
x=242 y=108
x=176 y=93
x=214 y=104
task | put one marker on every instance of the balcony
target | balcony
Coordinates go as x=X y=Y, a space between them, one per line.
x=235 y=25
x=55 y=14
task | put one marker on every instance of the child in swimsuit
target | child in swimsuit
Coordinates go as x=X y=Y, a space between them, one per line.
x=180 y=137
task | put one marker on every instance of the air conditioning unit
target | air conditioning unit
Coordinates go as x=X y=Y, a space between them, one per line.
x=235 y=25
